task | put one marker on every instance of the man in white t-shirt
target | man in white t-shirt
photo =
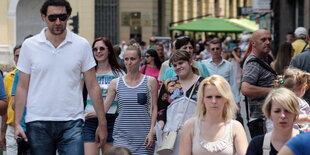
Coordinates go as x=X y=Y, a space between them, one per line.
x=51 y=64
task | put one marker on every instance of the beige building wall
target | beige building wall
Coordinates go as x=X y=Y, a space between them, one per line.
x=8 y=25
x=167 y=15
x=205 y=7
x=86 y=9
x=7 y=34
x=5 y=24
x=175 y=11
x=185 y=9
x=148 y=10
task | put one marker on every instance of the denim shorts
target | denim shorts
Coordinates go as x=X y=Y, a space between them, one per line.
x=91 y=124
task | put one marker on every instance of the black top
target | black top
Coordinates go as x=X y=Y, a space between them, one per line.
x=256 y=146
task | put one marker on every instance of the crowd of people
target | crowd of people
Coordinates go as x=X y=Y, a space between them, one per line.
x=70 y=97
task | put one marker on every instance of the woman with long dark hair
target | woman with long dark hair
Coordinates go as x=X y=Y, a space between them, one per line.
x=107 y=69
x=152 y=64
x=283 y=58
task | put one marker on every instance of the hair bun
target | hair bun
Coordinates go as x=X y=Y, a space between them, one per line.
x=135 y=45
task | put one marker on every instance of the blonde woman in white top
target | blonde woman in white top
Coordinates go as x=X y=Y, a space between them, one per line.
x=213 y=130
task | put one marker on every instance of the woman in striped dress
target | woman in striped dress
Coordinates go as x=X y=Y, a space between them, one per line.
x=136 y=93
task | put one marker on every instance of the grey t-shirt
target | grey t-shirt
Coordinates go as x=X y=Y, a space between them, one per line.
x=302 y=62
x=257 y=75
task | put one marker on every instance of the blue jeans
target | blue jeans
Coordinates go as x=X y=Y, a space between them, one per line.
x=45 y=137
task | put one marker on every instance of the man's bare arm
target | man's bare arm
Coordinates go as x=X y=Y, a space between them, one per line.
x=20 y=102
x=96 y=97
x=250 y=90
x=3 y=106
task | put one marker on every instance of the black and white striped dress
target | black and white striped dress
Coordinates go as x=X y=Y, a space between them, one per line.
x=133 y=123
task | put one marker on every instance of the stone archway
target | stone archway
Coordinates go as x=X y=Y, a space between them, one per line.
x=28 y=18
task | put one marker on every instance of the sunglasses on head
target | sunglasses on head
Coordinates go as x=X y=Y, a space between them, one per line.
x=213 y=49
x=101 y=48
x=54 y=17
x=182 y=37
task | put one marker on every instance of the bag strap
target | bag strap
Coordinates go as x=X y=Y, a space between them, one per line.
x=266 y=145
x=144 y=69
x=247 y=109
x=189 y=98
x=263 y=64
x=304 y=47
x=85 y=94
x=149 y=87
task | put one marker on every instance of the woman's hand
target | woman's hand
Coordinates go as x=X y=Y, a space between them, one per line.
x=149 y=140
x=91 y=114
x=161 y=124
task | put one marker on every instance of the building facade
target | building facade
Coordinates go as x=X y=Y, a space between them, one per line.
x=20 y=18
x=287 y=16
x=188 y=10
x=141 y=19
x=116 y=19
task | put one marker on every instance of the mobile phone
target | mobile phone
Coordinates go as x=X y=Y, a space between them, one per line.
x=19 y=139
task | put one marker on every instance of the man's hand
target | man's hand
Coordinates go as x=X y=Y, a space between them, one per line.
x=19 y=131
x=101 y=135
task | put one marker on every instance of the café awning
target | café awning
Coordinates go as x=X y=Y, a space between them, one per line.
x=246 y=23
x=212 y=24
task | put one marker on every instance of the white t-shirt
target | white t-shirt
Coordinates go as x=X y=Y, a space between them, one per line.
x=55 y=92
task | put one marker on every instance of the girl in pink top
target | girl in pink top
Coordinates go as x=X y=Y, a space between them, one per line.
x=152 y=64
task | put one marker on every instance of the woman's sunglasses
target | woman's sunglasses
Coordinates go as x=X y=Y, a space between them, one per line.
x=101 y=48
x=54 y=17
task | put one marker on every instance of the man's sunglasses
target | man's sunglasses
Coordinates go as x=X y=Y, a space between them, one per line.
x=54 y=17
x=101 y=48
x=213 y=49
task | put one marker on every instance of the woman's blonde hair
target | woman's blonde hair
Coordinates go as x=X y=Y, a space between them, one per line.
x=185 y=56
x=135 y=47
x=223 y=87
x=285 y=98
x=294 y=78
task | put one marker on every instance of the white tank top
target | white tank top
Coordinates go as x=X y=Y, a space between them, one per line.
x=223 y=146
